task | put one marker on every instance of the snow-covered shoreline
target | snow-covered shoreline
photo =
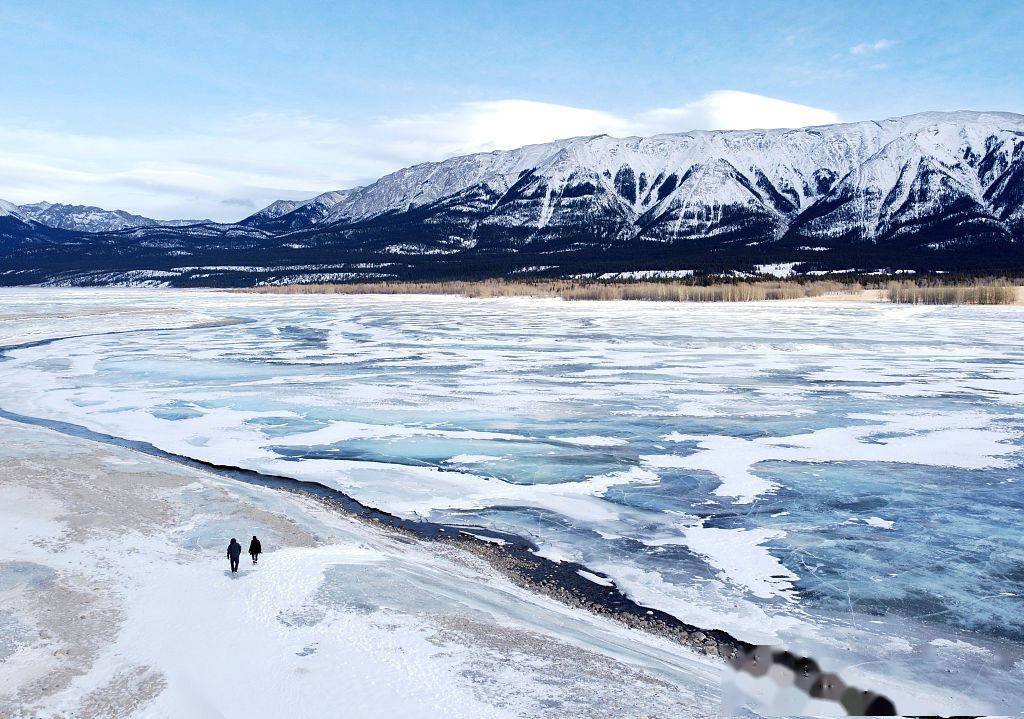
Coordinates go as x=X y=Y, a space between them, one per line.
x=120 y=602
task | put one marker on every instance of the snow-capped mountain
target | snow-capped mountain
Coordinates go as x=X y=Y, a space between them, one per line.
x=84 y=218
x=297 y=214
x=927 y=192
x=9 y=209
x=16 y=226
x=866 y=178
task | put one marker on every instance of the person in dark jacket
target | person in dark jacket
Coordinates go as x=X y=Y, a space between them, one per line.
x=234 y=552
x=254 y=549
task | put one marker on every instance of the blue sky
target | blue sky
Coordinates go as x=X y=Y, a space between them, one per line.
x=214 y=109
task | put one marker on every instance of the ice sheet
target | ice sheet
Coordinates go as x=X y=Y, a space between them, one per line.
x=774 y=470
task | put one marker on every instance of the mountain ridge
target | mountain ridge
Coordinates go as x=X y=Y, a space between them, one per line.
x=929 y=192
x=88 y=218
x=348 y=212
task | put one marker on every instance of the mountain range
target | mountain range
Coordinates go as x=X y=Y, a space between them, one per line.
x=86 y=218
x=932 y=192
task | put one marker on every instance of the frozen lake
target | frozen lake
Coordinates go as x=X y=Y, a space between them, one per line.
x=842 y=479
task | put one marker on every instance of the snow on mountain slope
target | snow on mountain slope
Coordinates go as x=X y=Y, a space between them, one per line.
x=84 y=218
x=864 y=177
x=935 y=174
x=1003 y=180
x=17 y=231
x=15 y=228
x=9 y=209
x=296 y=214
x=273 y=211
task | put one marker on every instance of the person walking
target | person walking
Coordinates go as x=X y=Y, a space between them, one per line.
x=234 y=552
x=254 y=549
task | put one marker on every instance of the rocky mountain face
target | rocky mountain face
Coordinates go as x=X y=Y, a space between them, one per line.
x=928 y=192
x=17 y=229
x=84 y=218
x=286 y=215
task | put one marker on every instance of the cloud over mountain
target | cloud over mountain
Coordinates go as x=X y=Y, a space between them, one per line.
x=213 y=169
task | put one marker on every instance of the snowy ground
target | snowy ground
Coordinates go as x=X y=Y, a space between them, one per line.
x=116 y=600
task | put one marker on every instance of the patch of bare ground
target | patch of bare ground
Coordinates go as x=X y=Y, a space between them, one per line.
x=123 y=695
x=73 y=619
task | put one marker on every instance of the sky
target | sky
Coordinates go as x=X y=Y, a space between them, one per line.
x=193 y=109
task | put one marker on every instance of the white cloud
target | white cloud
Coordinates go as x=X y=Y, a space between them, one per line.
x=238 y=165
x=868 y=48
x=501 y=124
x=731 y=110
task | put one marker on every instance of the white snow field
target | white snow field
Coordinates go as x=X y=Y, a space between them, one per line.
x=117 y=601
x=841 y=479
